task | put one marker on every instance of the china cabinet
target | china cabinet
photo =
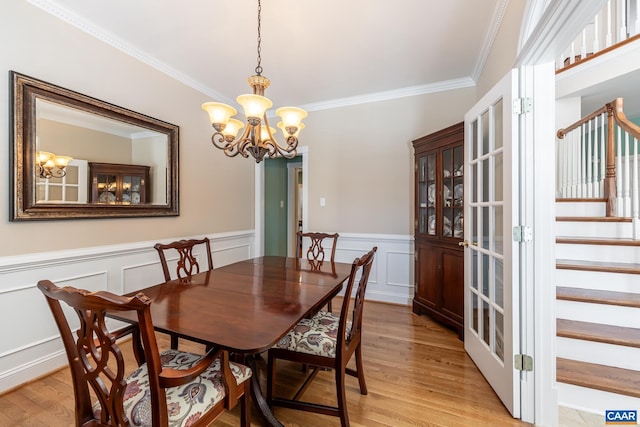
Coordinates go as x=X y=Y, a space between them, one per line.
x=439 y=207
x=117 y=184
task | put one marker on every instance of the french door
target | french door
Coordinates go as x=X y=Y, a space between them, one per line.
x=491 y=279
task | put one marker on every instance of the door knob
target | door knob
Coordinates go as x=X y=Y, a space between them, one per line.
x=465 y=243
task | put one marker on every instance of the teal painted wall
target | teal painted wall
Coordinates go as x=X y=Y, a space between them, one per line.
x=275 y=217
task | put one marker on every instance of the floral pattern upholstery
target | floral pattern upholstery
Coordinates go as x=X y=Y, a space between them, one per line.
x=317 y=335
x=185 y=403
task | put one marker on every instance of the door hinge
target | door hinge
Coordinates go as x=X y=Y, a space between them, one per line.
x=522 y=105
x=522 y=233
x=522 y=362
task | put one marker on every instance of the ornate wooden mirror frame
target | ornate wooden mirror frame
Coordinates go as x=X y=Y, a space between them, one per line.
x=25 y=202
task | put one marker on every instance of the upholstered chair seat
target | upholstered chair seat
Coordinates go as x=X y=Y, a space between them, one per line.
x=186 y=402
x=316 y=335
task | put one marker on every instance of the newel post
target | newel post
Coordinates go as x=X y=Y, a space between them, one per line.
x=610 y=190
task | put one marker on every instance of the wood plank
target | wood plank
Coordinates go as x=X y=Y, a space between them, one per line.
x=609 y=334
x=597 y=241
x=599 y=377
x=417 y=373
x=598 y=296
x=609 y=267
x=592 y=219
x=581 y=200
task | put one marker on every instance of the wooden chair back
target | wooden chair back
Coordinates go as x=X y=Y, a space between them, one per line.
x=98 y=366
x=316 y=250
x=187 y=264
x=351 y=311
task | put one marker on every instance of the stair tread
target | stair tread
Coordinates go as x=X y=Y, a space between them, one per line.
x=581 y=200
x=598 y=296
x=611 y=267
x=600 y=377
x=593 y=218
x=610 y=334
x=611 y=241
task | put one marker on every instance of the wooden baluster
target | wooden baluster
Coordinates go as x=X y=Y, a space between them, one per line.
x=603 y=158
x=589 y=165
x=610 y=180
x=622 y=5
x=596 y=34
x=636 y=203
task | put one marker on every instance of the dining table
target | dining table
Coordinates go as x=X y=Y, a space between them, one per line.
x=245 y=307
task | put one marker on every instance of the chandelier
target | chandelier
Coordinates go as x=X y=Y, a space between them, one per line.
x=49 y=165
x=257 y=139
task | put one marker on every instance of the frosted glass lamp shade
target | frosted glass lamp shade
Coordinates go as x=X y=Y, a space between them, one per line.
x=254 y=105
x=264 y=135
x=43 y=156
x=291 y=116
x=232 y=128
x=62 y=161
x=284 y=129
x=219 y=113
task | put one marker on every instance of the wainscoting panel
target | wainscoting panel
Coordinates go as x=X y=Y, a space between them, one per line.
x=30 y=346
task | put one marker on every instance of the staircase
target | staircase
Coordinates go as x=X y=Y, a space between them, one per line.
x=598 y=308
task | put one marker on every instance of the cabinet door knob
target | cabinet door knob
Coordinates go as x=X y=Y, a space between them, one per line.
x=464 y=243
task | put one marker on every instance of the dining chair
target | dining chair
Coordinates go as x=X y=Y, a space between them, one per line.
x=187 y=264
x=170 y=388
x=326 y=341
x=316 y=250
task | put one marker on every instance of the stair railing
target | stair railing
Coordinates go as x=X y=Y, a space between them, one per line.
x=597 y=158
x=616 y=24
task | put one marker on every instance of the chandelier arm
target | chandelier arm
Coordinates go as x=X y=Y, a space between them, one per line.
x=229 y=148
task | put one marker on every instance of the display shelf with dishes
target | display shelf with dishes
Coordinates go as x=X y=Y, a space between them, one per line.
x=118 y=184
x=439 y=260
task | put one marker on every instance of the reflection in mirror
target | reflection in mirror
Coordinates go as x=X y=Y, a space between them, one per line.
x=89 y=138
x=75 y=156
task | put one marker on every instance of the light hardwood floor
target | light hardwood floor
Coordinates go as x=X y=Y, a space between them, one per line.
x=417 y=374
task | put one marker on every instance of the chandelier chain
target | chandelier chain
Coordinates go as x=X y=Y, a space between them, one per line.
x=259 y=67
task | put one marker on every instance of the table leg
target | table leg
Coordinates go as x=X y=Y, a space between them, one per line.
x=256 y=393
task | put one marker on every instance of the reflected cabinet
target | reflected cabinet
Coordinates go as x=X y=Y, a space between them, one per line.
x=116 y=184
x=439 y=208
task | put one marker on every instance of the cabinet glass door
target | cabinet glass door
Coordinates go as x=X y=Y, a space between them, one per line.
x=107 y=186
x=431 y=193
x=131 y=189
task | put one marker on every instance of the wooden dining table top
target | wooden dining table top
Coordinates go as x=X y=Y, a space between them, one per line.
x=245 y=307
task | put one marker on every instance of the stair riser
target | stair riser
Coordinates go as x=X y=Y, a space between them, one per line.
x=618 y=282
x=598 y=313
x=603 y=230
x=586 y=209
x=596 y=352
x=603 y=253
x=593 y=401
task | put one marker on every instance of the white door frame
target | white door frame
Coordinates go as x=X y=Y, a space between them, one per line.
x=548 y=27
x=258 y=247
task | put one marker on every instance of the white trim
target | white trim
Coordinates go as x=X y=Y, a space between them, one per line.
x=496 y=19
x=441 y=86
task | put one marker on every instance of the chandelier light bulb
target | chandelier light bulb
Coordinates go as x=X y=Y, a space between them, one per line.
x=264 y=135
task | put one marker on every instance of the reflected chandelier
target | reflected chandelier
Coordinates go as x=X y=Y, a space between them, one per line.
x=257 y=139
x=49 y=165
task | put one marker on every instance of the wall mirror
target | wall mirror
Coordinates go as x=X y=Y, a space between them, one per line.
x=75 y=156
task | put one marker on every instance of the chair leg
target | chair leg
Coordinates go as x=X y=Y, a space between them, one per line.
x=271 y=379
x=360 y=369
x=174 y=342
x=245 y=405
x=342 y=397
x=329 y=306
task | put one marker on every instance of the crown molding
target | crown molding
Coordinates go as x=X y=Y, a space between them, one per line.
x=489 y=38
x=441 y=86
x=111 y=39
x=53 y=8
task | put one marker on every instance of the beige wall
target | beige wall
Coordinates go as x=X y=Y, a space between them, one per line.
x=504 y=50
x=361 y=160
x=216 y=193
x=82 y=143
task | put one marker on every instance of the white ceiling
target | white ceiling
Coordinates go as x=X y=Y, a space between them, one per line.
x=316 y=53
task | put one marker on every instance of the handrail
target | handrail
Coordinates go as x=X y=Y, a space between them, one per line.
x=614 y=115
x=562 y=132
